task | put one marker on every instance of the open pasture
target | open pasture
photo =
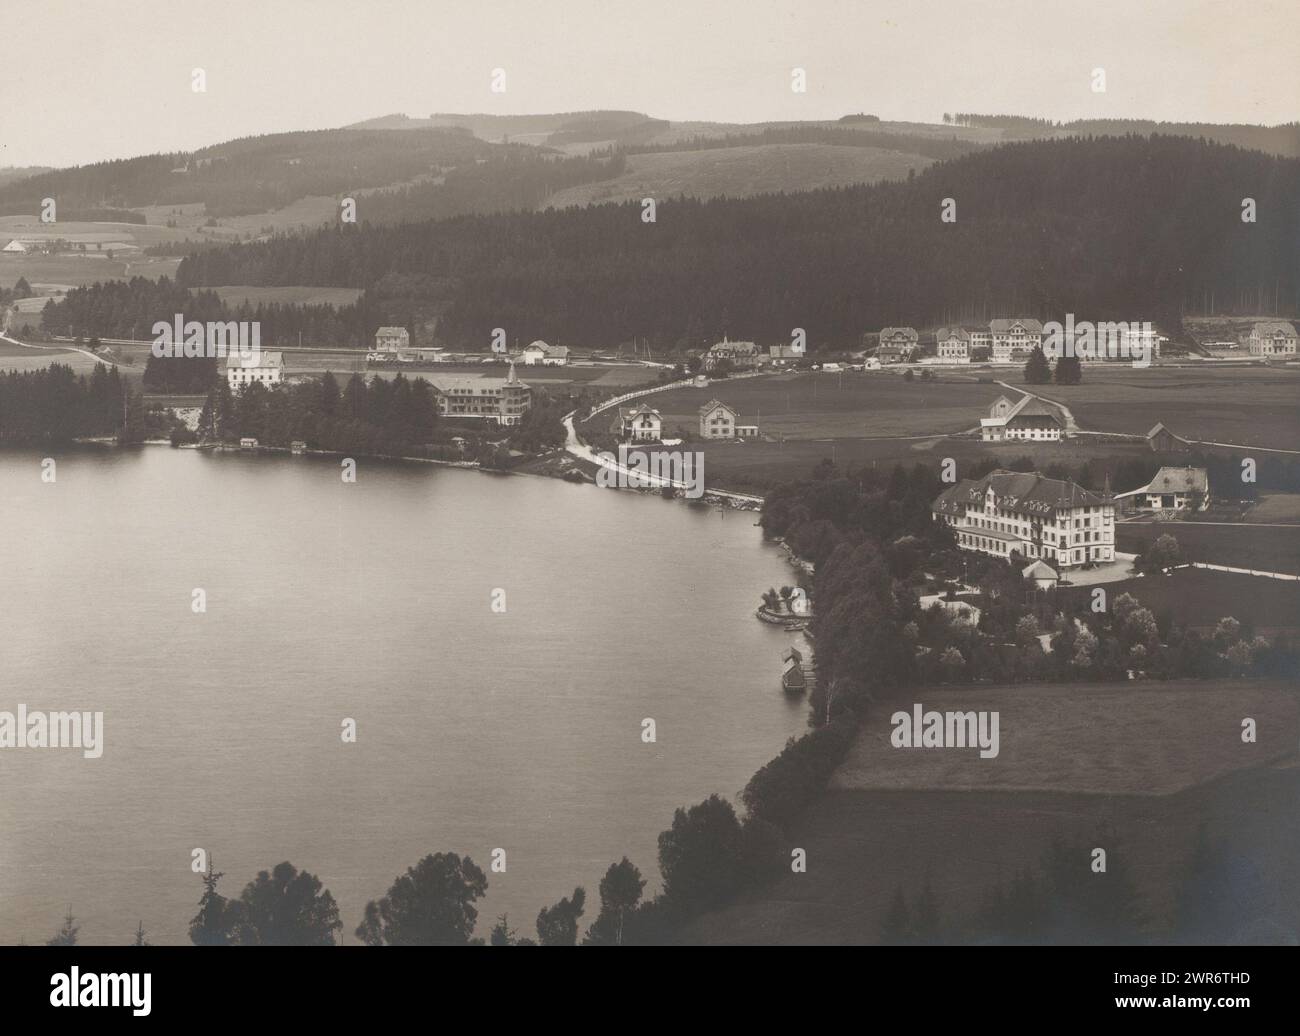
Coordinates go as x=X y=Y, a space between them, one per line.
x=819 y=405
x=1253 y=406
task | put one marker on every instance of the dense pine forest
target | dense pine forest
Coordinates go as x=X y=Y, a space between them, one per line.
x=931 y=147
x=1115 y=228
x=1281 y=140
x=54 y=406
x=129 y=309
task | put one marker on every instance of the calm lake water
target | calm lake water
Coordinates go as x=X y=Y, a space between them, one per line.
x=326 y=600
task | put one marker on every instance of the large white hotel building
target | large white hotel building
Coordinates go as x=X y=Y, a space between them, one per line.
x=1008 y=512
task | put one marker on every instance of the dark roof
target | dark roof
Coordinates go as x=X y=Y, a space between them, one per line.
x=1161 y=428
x=1026 y=492
x=1032 y=406
x=1003 y=324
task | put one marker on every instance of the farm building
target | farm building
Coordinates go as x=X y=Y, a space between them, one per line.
x=1162 y=440
x=539 y=353
x=1173 y=489
x=1028 y=420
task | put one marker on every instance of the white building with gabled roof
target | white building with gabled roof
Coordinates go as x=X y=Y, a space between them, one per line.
x=641 y=423
x=1029 y=420
x=254 y=368
x=392 y=340
x=1271 y=338
x=1012 y=339
x=952 y=345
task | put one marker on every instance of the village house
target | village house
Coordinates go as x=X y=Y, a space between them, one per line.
x=262 y=368
x=541 y=354
x=392 y=340
x=897 y=344
x=717 y=420
x=1030 y=517
x=720 y=421
x=1013 y=339
x=503 y=401
x=784 y=355
x=952 y=345
x=743 y=356
x=1172 y=489
x=1030 y=419
x=640 y=423
x=1270 y=338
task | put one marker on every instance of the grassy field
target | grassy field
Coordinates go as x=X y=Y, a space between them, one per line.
x=1240 y=546
x=741 y=171
x=1248 y=405
x=1199 y=598
x=1276 y=507
x=1115 y=739
x=9 y=349
x=864 y=846
x=73 y=271
x=1133 y=742
x=755 y=465
x=824 y=406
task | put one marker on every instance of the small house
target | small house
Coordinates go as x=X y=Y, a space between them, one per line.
x=639 y=424
x=1042 y=575
x=718 y=420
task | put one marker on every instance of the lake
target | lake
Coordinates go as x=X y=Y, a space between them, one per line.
x=371 y=601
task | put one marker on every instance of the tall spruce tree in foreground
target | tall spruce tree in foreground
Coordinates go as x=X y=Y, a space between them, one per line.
x=1069 y=371
x=218 y=921
x=1037 y=370
x=67 y=935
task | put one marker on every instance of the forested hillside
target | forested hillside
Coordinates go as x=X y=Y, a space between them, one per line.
x=1283 y=140
x=1110 y=228
x=129 y=309
x=254 y=174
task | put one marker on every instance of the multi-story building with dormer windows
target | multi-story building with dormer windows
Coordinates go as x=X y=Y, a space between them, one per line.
x=1009 y=513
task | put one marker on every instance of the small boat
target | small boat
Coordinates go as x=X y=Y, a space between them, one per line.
x=793 y=680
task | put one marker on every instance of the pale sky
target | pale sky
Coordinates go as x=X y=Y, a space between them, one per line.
x=86 y=80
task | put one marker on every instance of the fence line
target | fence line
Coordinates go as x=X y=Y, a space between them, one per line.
x=1239 y=571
